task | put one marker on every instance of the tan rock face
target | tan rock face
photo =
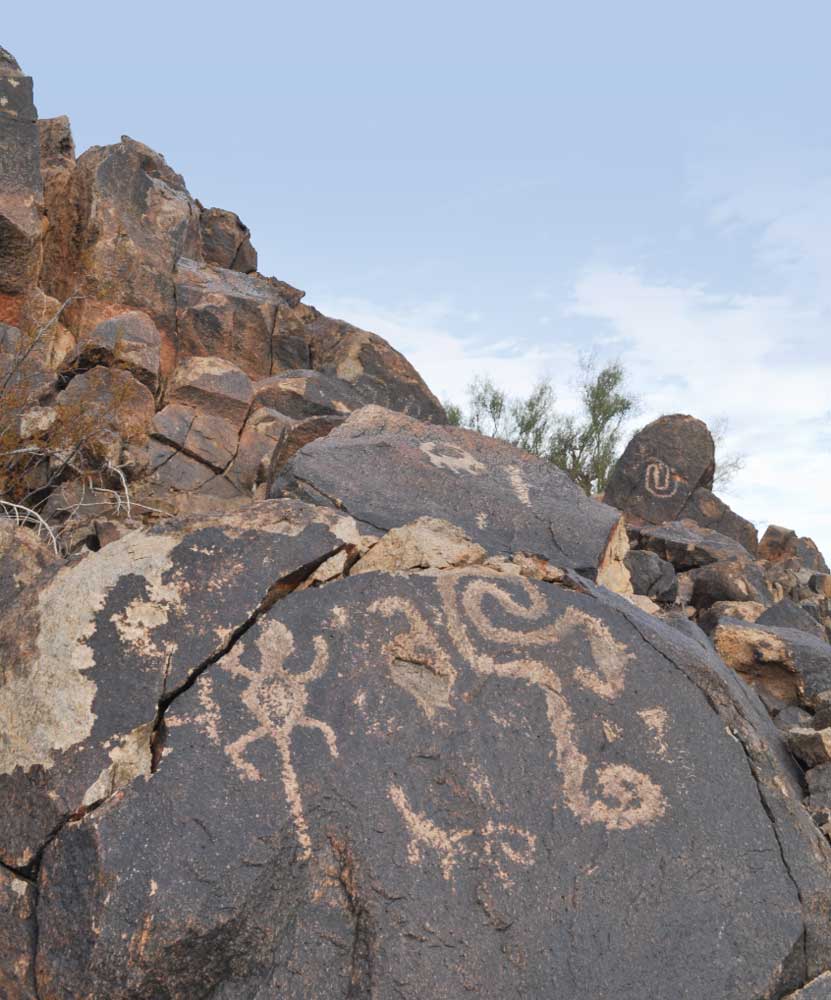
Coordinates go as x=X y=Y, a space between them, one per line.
x=132 y=218
x=99 y=412
x=427 y=543
x=21 y=189
x=226 y=242
x=129 y=341
x=214 y=386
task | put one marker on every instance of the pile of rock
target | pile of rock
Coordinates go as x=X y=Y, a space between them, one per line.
x=388 y=708
x=143 y=343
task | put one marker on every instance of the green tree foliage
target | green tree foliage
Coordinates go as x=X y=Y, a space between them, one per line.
x=585 y=446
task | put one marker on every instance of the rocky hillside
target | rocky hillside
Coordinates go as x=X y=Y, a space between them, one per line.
x=306 y=694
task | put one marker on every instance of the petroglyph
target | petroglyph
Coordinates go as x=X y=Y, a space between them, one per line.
x=660 y=480
x=424 y=833
x=452 y=457
x=636 y=799
x=655 y=720
x=504 y=846
x=518 y=485
x=506 y=842
x=50 y=708
x=277 y=699
x=418 y=662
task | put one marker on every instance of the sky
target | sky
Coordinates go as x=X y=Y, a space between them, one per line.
x=500 y=189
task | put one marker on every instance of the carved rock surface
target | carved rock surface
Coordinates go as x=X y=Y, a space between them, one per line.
x=394 y=761
x=89 y=653
x=387 y=469
x=661 y=468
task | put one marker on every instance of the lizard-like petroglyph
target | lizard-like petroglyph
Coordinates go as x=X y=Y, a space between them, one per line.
x=277 y=699
x=629 y=798
x=452 y=457
x=659 y=479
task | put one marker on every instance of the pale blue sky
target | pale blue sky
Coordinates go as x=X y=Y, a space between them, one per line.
x=496 y=188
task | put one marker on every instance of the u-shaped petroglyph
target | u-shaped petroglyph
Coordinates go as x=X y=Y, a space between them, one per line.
x=638 y=799
x=659 y=479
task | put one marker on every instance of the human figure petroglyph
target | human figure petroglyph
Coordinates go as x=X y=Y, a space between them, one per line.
x=452 y=457
x=277 y=699
x=659 y=479
x=638 y=799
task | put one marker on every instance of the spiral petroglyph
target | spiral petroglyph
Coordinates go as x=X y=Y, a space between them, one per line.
x=629 y=797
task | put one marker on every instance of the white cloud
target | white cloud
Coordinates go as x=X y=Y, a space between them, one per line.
x=696 y=352
x=447 y=360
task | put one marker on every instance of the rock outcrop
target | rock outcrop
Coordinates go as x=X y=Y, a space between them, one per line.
x=304 y=694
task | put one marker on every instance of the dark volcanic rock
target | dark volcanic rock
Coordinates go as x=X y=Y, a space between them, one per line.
x=18 y=936
x=661 y=468
x=688 y=546
x=787 y=614
x=651 y=575
x=230 y=315
x=88 y=654
x=387 y=469
x=817 y=989
x=432 y=786
x=21 y=188
x=780 y=544
x=706 y=509
x=729 y=580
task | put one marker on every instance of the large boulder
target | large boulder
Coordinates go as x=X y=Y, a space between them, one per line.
x=688 y=545
x=788 y=614
x=780 y=544
x=387 y=469
x=661 y=468
x=231 y=315
x=448 y=783
x=226 y=242
x=710 y=511
x=130 y=341
x=21 y=189
x=90 y=652
x=788 y=664
x=302 y=394
x=132 y=219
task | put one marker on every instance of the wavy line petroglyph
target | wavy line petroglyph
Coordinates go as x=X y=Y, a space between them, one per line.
x=518 y=485
x=638 y=799
x=277 y=700
x=659 y=479
x=418 y=662
x=452 y=457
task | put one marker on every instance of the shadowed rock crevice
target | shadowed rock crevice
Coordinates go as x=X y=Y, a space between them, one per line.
x=279 y=589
